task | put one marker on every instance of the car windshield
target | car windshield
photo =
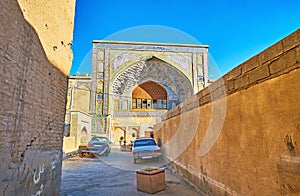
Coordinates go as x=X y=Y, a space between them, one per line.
x=144 y=142
x=99 y=139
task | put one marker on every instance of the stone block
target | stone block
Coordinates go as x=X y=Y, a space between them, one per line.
x=271 y=52
x=259 y=73
x=218 y=93
x=291 y=41
x=250 y=64
x=206 y=91
x=202 y=94
x=151 y=180
x=241 y=82
x=288 y=59
x=199 y=95
x=220 y=82
x=205 y=99
x=277 y=65
x=234 y=73
x=213 y=86
x=229 y=86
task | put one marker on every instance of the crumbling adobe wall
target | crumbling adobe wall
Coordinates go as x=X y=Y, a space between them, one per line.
x=32 y=99
x=256 y=151
x=53 y=21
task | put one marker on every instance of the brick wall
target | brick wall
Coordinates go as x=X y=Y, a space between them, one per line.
x=139 y=92
x=150 y=90
x=32 y=97
x=240 y=136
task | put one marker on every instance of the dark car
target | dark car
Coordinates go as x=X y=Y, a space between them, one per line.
x=145 y=148
x=99 y=146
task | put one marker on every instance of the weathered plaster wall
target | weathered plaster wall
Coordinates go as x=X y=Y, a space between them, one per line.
x=69 y=145
x=256 y=151
x=80 y=127
x=81 y=99
x=32 y=99
x=53 y=21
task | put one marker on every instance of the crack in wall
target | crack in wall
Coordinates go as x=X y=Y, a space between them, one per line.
x=19 y=91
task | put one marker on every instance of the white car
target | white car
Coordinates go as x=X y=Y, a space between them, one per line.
x=145 y=148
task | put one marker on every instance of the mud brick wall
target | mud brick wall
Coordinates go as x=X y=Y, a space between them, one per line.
x=241 y=135
x=53 y=21
x=32 y=107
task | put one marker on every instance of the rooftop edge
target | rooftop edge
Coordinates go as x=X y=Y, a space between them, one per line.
x=150 y=43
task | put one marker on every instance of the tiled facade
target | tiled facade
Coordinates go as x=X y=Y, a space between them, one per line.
x=134 y=83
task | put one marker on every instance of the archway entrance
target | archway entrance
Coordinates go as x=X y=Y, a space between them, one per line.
x=177 y=85
x=149 y=95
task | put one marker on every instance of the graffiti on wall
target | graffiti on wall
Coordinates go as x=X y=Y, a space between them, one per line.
x=40 y=171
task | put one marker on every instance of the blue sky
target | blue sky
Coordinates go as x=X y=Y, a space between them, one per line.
x=235 y=30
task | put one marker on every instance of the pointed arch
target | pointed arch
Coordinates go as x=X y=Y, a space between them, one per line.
x=156 y=70
x=145 y=57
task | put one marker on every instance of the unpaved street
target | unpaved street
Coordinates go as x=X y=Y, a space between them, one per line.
x=113 y=175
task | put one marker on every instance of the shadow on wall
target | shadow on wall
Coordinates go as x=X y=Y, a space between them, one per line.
x=260 y=135
x=34 y=91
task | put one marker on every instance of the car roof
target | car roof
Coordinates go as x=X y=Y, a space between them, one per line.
x=99 y=137
x=142 y=138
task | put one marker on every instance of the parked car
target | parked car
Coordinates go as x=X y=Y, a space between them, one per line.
x=99 y=146
x=145 y=148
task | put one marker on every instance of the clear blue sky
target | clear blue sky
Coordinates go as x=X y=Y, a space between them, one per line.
x=235 y=30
